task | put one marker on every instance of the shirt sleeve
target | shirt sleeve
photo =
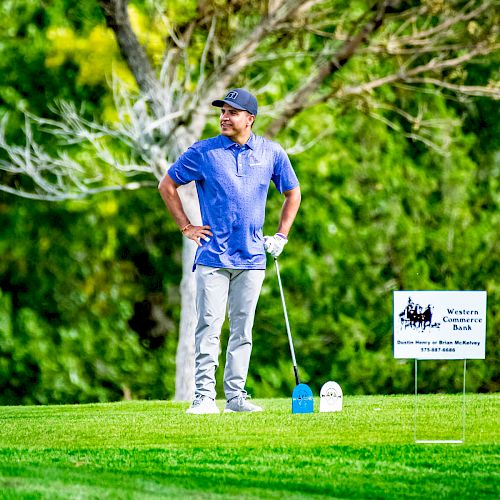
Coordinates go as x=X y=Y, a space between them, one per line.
x=187 y=168
x=284 y=176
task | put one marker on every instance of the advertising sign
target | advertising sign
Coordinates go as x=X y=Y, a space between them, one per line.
x=439 y=324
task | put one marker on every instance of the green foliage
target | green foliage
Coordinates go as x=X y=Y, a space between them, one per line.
x=89 y=302
x=79 y=311
x=379 y=213
x=154 y=450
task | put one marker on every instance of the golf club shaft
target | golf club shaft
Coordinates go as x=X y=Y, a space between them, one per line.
x=287 y=324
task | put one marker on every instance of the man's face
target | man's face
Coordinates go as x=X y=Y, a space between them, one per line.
x=235 y=123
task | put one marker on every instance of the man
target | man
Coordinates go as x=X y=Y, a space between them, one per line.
x=232 y=173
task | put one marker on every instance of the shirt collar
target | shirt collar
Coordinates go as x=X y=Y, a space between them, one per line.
x=227 y=143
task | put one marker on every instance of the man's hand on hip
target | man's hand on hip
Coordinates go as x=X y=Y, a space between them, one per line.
x=196 y=233
x=275 y=244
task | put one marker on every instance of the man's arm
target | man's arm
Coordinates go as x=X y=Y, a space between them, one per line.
x=169 y=194
x=289 y=210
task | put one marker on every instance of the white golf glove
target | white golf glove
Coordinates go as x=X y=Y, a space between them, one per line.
x=275 y=244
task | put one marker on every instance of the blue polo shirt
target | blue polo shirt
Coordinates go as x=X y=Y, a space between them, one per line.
x=232 y=183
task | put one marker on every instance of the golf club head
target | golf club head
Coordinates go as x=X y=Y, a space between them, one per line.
x=302 y=399
x=331 y=397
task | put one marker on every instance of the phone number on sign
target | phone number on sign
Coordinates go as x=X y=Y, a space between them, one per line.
x=437 y=349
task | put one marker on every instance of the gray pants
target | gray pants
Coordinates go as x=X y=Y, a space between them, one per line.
x=217 y=288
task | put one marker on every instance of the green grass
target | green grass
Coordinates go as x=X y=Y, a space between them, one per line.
x=154 y=450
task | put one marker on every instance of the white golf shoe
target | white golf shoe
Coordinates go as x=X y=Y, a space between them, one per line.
x=202 y=405
x=240 y=404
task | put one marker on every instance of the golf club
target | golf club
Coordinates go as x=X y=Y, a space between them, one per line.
x=302 y=398
x=287 y=324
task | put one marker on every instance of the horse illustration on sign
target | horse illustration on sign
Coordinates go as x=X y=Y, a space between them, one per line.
x=416 y=317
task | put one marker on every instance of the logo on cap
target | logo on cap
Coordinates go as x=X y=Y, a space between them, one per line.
x=232 y=95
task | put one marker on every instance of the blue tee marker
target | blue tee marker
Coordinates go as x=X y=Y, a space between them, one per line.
x=302 y=399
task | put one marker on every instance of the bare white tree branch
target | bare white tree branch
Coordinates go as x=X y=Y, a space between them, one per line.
x=404 y=74
x=423 y=36
x=436 y=134
x=492 y=92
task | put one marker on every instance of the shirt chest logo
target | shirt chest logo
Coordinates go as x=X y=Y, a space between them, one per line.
x=254 y=162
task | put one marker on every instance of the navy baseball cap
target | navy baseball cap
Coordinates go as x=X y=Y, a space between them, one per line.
x=239 y=99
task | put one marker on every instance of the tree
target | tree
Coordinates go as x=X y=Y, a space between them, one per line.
x=352 y=53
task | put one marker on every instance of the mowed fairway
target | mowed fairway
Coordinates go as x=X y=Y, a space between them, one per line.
x=154 y=450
